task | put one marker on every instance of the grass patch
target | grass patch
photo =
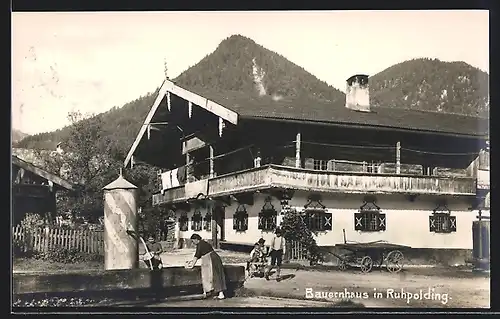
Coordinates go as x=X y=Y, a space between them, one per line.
x=31 y=264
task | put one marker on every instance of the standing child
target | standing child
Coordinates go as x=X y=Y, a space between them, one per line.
x=155 y=250
x=277 y=250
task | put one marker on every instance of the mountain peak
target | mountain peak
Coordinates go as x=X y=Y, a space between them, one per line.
x=235 y=39
x=432 y=85
x=240 y=64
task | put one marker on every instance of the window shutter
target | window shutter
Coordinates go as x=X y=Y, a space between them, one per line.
x=235 y=222
x=261 y=217
x=192 y=224
x=358 y=221
x=245 y=222
x=432 y=224
x=453 y=224
x=382 y=222
x=274 y=221
x=327 y=221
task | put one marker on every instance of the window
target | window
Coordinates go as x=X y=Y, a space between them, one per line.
x=196 y=221
x=369 y=218
x=207 y=222
x=318 y=220
x=268 y=216
x=316 y=216
x=441 y=220
x=183 y=222
x=240 y=218
x=320 y=165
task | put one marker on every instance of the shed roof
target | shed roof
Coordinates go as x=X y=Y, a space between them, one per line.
x=41 y=172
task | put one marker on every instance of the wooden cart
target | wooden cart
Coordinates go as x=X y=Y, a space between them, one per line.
x=367 y=255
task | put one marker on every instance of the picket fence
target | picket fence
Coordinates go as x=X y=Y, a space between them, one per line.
x=296 y=252
x=45 y=239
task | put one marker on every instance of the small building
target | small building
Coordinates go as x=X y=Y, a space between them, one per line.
x=404 y=176
x=34 y=190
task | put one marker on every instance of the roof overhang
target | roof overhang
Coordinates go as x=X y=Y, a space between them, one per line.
x=367 y=126
x=43 y=173
x=169 y=87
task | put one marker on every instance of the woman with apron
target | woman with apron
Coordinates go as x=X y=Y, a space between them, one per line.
x=212 y=270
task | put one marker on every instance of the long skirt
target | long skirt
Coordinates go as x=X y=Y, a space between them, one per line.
x=212 y=273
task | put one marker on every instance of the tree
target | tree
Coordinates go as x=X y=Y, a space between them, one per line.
x=295 y=229
x=92 y=159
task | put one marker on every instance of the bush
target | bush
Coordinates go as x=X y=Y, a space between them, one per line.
x=18 y=249
x=294 y=229
x=67 y=256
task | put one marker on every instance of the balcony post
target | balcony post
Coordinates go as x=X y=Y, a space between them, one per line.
x=159 y=180
x=398 y=158
x=297 y=151
x=211 y=148
x=188 y=168
x=213 y=222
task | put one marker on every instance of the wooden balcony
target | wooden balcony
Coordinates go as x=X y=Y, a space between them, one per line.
x=273 y=176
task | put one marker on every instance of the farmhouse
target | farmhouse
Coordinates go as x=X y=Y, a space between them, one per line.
x=234 y=165
x=34 y=189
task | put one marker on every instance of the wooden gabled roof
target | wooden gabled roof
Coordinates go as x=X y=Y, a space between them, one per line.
x=231 y=106
x=41 y=172
x=307 y=109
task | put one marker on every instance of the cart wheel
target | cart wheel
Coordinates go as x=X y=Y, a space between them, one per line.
x=342 y=265
x=394 y=261
x=366 y=264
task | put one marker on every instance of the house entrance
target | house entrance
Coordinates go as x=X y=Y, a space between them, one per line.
x=219 y=216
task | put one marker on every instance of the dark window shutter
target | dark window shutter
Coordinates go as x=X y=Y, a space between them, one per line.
x=327 y=221
x=192 y=224
x=382 y=222
x=235 y=222
x=261 y=221
x=432 y=224
x=274 y=221
x=245 y=222
x=358 y=221
x=453 y=224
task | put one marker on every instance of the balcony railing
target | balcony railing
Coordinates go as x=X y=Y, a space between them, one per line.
x=274 y=176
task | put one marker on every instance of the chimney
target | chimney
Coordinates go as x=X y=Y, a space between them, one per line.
x=357 y=96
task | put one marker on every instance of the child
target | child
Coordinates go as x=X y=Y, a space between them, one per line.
x=155 y=250
x=255 y=256
x=256 y=253
x=277 y=252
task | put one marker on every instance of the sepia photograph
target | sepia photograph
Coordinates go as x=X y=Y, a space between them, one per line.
x=219 y=160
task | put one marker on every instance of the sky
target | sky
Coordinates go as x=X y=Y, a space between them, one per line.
x=93 y=61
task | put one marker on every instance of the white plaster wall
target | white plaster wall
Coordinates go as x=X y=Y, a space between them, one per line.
x=253 y=234
x=205 y=234
x=407 y=223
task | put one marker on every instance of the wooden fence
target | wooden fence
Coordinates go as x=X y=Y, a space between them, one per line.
x=45 y=239
x=296 y=252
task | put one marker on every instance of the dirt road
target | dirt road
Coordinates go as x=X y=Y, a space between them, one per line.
x=454 y=291
x=253 y=302
x=454 y=287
